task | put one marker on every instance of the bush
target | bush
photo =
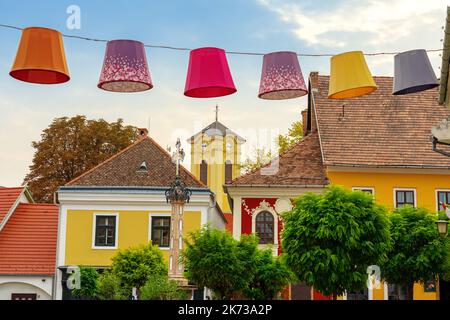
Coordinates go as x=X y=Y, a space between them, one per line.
x=214 y=259
x=88 y=283
x=161 y=288
x=110 y=288
x=134 y=266
x=271 y=276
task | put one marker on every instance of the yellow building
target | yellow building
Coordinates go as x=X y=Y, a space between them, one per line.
x=381 y=143
x=215 y=154
x=121 y=203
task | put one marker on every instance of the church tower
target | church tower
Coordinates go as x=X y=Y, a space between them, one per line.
x=215 y=154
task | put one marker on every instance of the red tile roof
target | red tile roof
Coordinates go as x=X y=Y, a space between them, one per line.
x=299 y=166
x=122 y=169
x=28 y=240
x=8 y=196
x=378 y=129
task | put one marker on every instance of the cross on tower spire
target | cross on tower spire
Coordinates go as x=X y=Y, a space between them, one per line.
x=217 y=113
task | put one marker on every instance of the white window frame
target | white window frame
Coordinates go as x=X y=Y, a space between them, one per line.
x=366 y=188
x=275 y=231
x=405 y=189
x=437 y=198
x=94 y=229
x=150 y=223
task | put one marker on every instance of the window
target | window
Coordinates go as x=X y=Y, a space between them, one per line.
x=404 y=197
x=443 y=197
x=364 y=189
x=358 y=295
x=161 y=231
x=228 y=171
x=396 y=292
x=105 y=231
x=265 y=227
x=204 y=172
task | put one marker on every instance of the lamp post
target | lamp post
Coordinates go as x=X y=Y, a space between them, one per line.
x=178 y=194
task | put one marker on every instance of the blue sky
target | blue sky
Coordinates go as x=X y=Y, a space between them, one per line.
x=240 y=25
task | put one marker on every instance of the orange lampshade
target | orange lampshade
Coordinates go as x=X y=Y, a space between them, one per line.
x=40 y=57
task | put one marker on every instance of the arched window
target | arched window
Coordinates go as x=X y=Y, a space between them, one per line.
x=204 y=172
x=265 y=227
x=228 y=171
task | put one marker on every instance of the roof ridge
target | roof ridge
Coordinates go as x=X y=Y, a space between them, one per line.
x=106 y=161
x=181 y=166
x=279 y=156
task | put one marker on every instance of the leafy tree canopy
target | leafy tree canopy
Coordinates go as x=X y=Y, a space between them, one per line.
x=134 y=266
x=271 y=276
x=330 y=239
x=214 y=259
x=71 y=146
x=110 y=287
x=418 y=252
x=88 y=282
x=261 y=156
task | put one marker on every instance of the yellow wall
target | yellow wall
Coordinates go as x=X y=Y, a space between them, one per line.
x=133 y=230
x=216 y=154
x=384 y=184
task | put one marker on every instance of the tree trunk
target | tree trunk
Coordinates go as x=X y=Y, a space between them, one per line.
x=335 y=296
x=410 y=291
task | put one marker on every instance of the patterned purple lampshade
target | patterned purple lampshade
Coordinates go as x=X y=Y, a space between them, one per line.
x=125 y=68
x=281 y=77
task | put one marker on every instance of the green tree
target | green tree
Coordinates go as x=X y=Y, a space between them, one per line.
x=110 y=287
x=330 y=239
x=271 y=276
x=160 y=287
x=88 y=283
x=294 y=135
x=134 y=266
x=418 y=252
x=261 y=156
x=214 y=259
x=71 y=146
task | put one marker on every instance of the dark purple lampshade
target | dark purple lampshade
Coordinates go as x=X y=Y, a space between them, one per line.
x=413 y=72
x=125 y=68
x=281 y=77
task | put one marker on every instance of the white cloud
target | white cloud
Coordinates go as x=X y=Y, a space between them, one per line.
x=374 y=22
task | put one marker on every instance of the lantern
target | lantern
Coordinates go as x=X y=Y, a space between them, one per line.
x=125 y=67
x=349 y=76
x=208 y=74
x=40 y=57
x=442 y=226
x=413 y=72
x=281 y=77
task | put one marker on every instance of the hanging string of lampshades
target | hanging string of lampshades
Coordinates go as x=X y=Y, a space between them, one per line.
x=41 y=59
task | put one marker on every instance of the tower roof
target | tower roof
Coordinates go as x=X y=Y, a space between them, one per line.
x=216 y=129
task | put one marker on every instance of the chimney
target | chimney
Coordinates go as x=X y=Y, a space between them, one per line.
x=142 y=133
x=313 y=89
x=305 y=122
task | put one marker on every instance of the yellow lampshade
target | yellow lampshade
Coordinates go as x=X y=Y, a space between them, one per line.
x=349 y=76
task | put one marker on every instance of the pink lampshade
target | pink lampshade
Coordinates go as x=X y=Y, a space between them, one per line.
x=125 y=68
x=281 y=77
x=208 y=74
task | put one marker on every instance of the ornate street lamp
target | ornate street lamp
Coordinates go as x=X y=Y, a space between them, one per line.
x=441 y=136
x=178 y=194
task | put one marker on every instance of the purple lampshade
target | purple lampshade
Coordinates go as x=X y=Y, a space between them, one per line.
x=125 y=68
x=281 y=77
x=413 y=72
